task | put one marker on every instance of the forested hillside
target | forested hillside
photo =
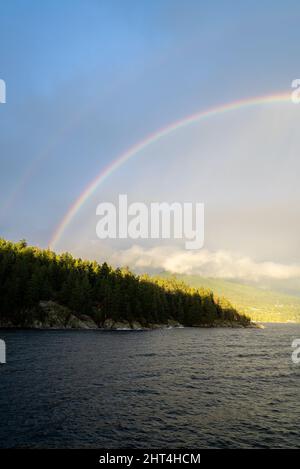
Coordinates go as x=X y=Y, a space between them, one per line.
x=259 y=304
x=29 y=277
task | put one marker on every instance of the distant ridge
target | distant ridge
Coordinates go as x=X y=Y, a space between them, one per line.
x=259 y=304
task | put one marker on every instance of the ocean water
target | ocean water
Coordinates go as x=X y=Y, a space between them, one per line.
x=192 y=388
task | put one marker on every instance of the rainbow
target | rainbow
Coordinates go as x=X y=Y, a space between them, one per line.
x=152 y=138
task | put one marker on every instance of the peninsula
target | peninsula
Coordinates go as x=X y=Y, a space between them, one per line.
x=41 y=289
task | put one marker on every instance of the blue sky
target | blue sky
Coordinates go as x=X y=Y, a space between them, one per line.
x=87 y=79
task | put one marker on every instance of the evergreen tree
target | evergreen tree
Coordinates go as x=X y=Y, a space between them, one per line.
x=29 y=275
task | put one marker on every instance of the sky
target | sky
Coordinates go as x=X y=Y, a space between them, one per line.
x=86 y=80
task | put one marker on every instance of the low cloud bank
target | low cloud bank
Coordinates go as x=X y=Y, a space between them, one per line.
x=219 y=264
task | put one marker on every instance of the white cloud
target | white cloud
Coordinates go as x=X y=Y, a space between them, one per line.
x=221 y=264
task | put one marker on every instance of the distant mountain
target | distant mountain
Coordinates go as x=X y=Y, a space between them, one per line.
x=259 y=303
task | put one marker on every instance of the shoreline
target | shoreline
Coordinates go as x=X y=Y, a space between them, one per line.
x=132 y=329
x=53 y=316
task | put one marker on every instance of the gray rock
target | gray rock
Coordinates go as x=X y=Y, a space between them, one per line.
x=55 y=316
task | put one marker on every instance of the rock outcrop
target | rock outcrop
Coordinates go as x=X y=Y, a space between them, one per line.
x=110 y=324
x=51 y=315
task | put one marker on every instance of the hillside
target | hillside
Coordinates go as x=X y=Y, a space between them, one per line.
x=259 y=304
x=39 y=288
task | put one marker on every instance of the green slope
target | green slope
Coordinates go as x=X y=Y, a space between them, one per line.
x=39 y=288
x=260 y=304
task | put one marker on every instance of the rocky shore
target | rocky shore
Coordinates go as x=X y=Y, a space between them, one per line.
x=52 y=315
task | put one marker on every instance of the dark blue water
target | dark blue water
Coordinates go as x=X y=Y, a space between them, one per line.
x=197 y=388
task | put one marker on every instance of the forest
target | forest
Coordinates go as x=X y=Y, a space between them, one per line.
x=30 y=275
